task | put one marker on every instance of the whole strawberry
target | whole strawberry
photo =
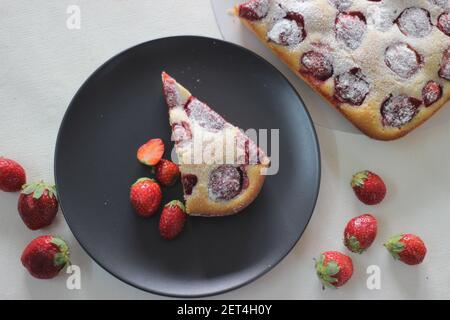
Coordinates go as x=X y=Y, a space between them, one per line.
x=334 y=269
x=360 y=233
x=145 y=196
x=407 y=248
x=166 y=172
x=369 y=187
x=38 y=205
x=12 y=175
x=173 y=218
x=45 y=256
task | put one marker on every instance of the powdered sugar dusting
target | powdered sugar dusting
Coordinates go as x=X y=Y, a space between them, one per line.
x=350 y=29
x=399 y=110
x=430 y=97
x=396 y=44
x=439 y=3
x=341 y=5
x=286 y=32
x=317 y=64
x=276 y=13
x=402 y=59
x=444 y=71
x=173 y=98
x=224 y=183
x=351 y=87
x=255 y=9
x=380 y=17
x=181 y=132
x=261 y=7
x=204 y=116
x=444 y=23
x=431 y=93
x=415 y=22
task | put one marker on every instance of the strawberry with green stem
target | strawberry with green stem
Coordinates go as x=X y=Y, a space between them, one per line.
x=151 y=152
x=360 y=233
x=45 y=256
x=166 y=172
x=38 y=205
x=172 y=220
x=407 y=248
x=369 y=188
x=334 y=269
x=145 y=196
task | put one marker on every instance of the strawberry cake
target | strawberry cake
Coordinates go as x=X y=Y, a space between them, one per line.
x=222 y=169
x=385 y=65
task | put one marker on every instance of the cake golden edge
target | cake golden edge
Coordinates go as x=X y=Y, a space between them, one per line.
x=199 y=204
x=366 y=121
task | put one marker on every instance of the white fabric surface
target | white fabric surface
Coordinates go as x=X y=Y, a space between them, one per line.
x=42 y=64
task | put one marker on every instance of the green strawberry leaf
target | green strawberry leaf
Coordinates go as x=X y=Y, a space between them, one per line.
x=321 y=259
x=60 y=259
x=61 y=244
x=326 y=272
x=395 y=246
x=327 y=281
x=28 y=188
x=63 y=256
x=352 y=243
x=359 y=178
x=52 y=191
x=332 y=268
x=39 y=191
x=142 y=180
x=176 y=203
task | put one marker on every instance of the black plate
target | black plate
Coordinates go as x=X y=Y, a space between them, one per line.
x=121 y=105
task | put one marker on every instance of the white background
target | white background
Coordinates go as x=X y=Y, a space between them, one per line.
x=42 y=64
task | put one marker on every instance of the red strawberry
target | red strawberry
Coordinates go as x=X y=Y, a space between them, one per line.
x=38 y=205
x=151 y=152
x=145 y=196
x=254 y=9
x=45 y=256
x=166 y=172
x=431 y=93
x=369 y=187
x=334 y=269
x=407 y=248
x=173 y=218
x=360 y=233
x=12 y=175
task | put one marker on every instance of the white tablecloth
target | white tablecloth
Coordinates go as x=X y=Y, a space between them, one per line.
x=43 y=63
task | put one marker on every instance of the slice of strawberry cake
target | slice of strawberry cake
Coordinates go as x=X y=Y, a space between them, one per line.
x=222 y=169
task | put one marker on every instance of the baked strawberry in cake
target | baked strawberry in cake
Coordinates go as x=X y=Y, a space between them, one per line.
x=385 y=65
x=222 y=169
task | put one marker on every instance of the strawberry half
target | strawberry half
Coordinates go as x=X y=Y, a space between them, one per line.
x=151 y=152
x=368 y=187
x=407 y=248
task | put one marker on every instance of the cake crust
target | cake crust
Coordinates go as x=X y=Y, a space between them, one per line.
x=199 y=203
